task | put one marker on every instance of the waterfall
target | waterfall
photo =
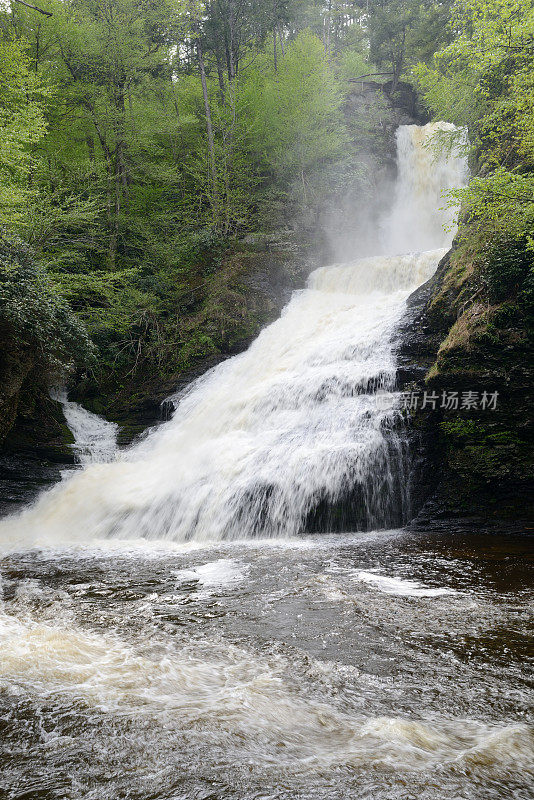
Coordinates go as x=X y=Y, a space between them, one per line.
x=420 y=219
x=298 y=433
x=95 y=439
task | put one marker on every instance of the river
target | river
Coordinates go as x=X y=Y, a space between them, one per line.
x=170 y=627
x=371 y=665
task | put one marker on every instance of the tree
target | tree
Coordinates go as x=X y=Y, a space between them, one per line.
x=35 y=317
x=22 y=127
x=483 y=80
x=296 y=121
x=402 y=32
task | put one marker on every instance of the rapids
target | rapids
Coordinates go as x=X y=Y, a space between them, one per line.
x=165 y=634
x=301 y=432
x=375 y=665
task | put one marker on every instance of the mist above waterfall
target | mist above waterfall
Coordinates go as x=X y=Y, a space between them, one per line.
x=293 y=434
x=421 y=217
x=406 y=210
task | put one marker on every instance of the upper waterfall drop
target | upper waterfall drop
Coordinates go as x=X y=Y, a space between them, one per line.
x=420 y=218
x=291 y=435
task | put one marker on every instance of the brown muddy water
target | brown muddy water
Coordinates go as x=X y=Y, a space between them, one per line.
x=372 y=665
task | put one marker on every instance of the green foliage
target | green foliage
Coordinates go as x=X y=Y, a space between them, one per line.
x=203 y=250
x=504 y=201
x=461 y=430
x=22 y=126
x=483 y=80
x=106 y=301
x=352 y=64
x=506 y=267
x=295 y=112
x=32 y=311
x=403 y=32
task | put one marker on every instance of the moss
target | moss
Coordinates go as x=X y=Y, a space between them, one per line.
x=460 y=430
x=482 y=341
x=432 y=373
x=466 y=327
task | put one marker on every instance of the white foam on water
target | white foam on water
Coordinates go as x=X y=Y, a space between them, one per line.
x=400 y=586
x=426 y=174
x=243 y=700
x=215 y=575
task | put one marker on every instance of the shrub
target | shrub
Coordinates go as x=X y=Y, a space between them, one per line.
x=33 y=313
x=505 y=268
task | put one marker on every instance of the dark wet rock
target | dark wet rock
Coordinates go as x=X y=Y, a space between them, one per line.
x=475 y=465
x=35 y=452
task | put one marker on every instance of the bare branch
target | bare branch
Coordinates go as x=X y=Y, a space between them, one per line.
x=369 y=75
x=34 y=8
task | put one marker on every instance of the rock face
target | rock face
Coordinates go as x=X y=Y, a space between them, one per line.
x=369 y=97
x=471 y=462
x=35 y=451
x=34 y=439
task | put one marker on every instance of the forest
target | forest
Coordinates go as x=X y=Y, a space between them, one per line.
x=141 y=142
x=266 y=372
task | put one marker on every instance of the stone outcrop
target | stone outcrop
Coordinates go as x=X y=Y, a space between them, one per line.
x=470 y=463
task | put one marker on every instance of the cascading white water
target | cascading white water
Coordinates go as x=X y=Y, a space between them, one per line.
x=289 y=435
x=420 y=218
x=95 y=439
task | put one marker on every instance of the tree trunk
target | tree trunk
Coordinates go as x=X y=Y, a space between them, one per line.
x=220 y=75
x=232 y=51
x=90 y=142
x=328 y=26
x=209 y=130
x=397 y=58
x=121 y=168
x=120 y=171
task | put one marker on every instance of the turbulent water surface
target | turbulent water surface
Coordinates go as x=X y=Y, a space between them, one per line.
x=168 y=630
x=375 y=665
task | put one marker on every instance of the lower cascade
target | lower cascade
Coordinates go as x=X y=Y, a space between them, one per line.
x=301 y=432
x=95 y=439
